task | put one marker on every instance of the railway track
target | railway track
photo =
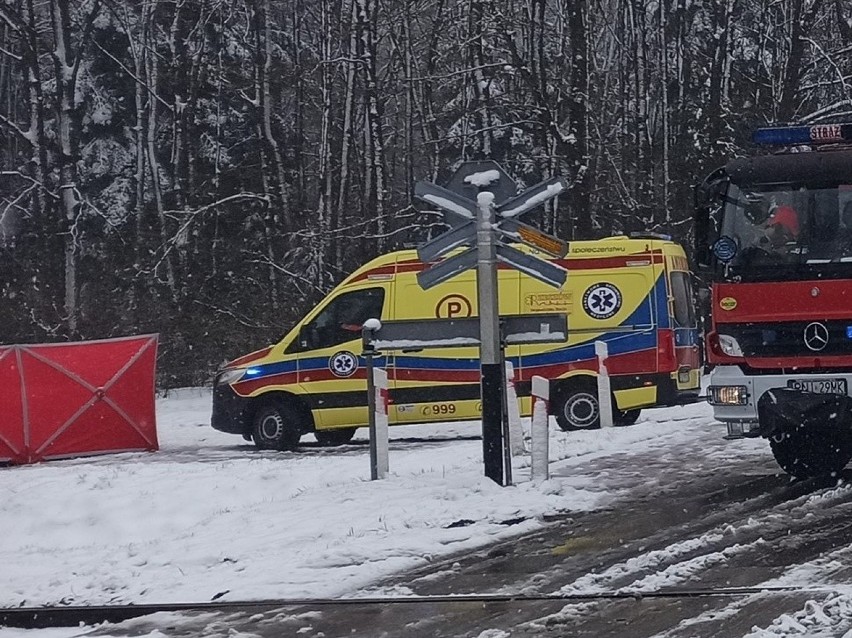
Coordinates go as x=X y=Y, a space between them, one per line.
x=75 y=615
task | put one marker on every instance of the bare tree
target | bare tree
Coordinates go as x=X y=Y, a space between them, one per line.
x=66 y=58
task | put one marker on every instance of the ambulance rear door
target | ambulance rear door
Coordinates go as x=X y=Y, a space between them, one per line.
x=606 y=298
x=684 y=321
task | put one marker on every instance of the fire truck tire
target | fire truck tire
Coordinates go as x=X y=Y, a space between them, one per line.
x=576 y=407
x=807 y=453
x=276 y=426
x=332 y=438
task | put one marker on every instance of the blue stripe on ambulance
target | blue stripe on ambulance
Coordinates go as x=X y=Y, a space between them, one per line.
x=644 y=338
x=654 y=304
x=303 y=365
x=617 y=343
x=269 y=369
x=660 y=301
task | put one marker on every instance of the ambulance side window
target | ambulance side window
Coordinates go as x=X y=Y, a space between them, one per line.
x=341 y=319
x=684 y=312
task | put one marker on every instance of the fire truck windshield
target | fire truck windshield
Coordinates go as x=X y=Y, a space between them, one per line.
x=786 y=230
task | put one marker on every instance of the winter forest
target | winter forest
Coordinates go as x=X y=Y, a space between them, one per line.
x=208 y=169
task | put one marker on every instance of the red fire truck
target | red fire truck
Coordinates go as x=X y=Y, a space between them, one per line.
x=774 y=242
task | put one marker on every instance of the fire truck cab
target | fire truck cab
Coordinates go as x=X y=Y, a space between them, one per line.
x=774 y=243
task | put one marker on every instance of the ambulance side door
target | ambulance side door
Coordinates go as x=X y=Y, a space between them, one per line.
x=438 y=384
x=331 y=370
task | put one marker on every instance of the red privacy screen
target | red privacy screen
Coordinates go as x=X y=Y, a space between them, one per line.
x=77 y=399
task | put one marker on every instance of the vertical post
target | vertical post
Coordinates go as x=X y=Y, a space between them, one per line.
x=506 y=423
x=377 y=384
x=514 y=432
x=604 y=393
x=540 y=461
x=379 y=431
x=371 y=409
x=491 y=368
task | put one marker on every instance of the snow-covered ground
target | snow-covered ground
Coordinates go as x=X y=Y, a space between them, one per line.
x=210 y=517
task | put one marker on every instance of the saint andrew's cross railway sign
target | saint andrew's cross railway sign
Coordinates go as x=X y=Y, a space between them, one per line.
x=483 y=175
x=482 y=207
x=460 y=213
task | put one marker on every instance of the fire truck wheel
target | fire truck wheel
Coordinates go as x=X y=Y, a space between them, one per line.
x=806 y=452
x=577 y=407
x=276 y=426
x=334 y=437
x=626 y=417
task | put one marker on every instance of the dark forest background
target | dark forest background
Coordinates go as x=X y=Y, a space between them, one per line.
x=208 y=169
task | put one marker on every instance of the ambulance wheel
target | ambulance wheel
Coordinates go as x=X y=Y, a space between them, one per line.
x=809 y=452
x=625 y=417
x=276 y=426
x=334 y=437
x=577 y=407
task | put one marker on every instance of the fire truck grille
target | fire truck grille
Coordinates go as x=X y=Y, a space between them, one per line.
x=806 y=338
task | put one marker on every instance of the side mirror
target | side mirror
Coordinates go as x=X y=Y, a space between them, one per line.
x=709 y=196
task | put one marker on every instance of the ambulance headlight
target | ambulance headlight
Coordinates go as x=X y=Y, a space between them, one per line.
x=729 y=346
x=727 y=395
x=228 y=376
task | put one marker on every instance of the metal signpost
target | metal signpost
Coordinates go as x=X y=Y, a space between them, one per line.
x=482 y=206
x=416 y=334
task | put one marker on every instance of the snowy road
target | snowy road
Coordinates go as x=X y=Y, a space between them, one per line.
x=685 y=528
x=660 y=529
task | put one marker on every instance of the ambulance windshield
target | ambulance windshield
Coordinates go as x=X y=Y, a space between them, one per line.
x=781 y=231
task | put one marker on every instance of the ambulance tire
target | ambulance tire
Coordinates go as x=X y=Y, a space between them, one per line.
x=576 y=407
x=331 y=438
x=276 y=426
x=810 y=452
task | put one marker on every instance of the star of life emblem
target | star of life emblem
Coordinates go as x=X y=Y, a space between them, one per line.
x=343 y=364
x=602 y=301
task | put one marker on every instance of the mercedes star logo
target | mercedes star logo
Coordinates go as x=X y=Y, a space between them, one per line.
x=816 y=336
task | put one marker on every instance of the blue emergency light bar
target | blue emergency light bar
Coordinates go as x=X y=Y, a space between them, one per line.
x=792 y=135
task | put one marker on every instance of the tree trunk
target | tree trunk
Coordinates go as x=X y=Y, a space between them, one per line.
x=327 y=242
x=578 y=195
x=374 y=138
x=67 y=126
x=800 y=20
x=347 y=132
x=272 y=163
x=152 y=75
x=481 y=105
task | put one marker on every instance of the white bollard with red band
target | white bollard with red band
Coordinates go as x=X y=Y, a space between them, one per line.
x=379 y=441
x=540 y=461
x=516 y=430
x=604 y=392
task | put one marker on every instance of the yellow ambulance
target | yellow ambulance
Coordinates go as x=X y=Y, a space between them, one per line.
x=634 y=293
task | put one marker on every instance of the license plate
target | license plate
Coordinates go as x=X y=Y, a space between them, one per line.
x=818 y=386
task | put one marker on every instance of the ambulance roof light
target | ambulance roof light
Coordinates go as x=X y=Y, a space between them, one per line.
x=793 y=135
